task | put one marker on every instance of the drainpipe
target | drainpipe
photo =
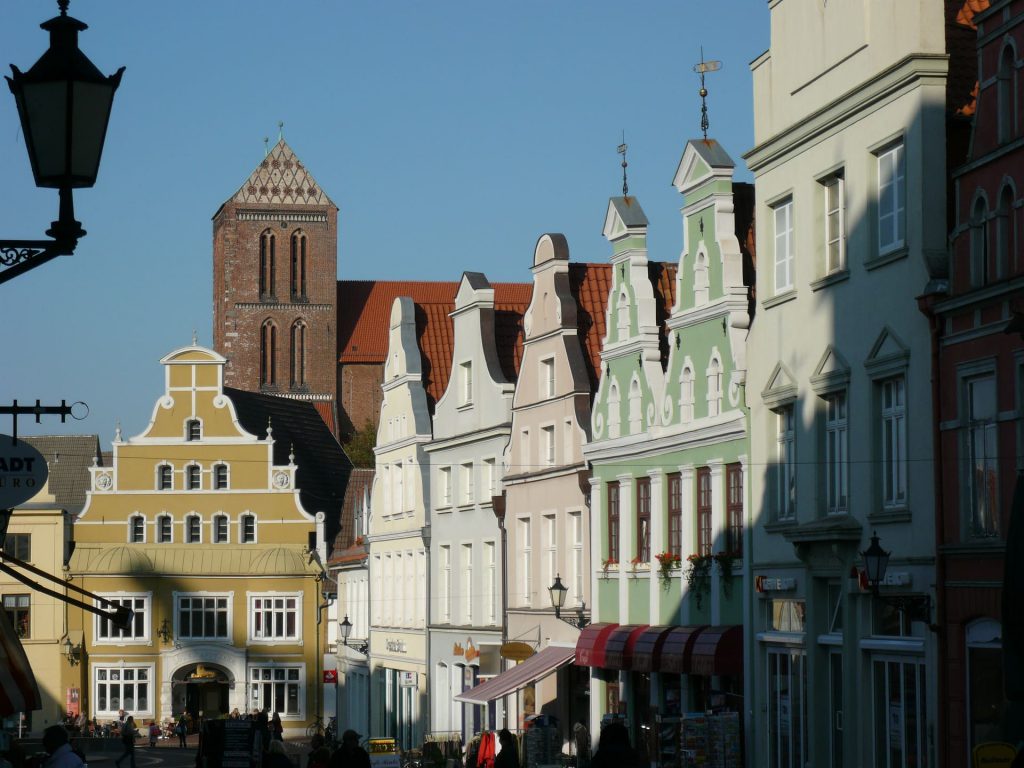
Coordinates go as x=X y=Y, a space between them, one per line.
x=926 y=304
x=498 y=506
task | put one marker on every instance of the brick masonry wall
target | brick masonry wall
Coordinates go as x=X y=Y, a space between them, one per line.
x=359 y=396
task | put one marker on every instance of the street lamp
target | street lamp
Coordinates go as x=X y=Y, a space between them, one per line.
x=64 y=103
x=876 y=562
x=72 y=652
x=558 y=591
x=346 y=633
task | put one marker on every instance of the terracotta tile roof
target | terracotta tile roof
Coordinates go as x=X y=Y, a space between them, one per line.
x=344 y=547
x=364 y=313
x=68 y=458
x=961 y=45
x=326 y=410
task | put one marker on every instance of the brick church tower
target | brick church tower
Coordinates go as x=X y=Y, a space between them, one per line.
x=275 y=255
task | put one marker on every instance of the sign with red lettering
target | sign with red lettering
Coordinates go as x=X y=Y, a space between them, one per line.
x=330 y=676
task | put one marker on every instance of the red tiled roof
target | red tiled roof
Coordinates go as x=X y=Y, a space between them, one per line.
x=360 y=481
x=364 y=314
x=326 y=410
x=961 y=45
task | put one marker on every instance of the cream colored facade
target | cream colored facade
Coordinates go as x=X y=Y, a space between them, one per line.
x=199 y=530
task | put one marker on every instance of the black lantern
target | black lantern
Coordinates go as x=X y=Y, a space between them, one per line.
x=64 y=104
x=165 y=631
x=876 y=561
x=346 y=633
x=558 y=591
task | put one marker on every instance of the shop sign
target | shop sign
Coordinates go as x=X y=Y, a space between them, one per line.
x=993 y=754
x=408 y=679
x=395 y=646
x=472 y=654
x=73 y=701
x=383 y=753
x=330 y=676
x=516 y=651
x=23 y=472
x=774 y=583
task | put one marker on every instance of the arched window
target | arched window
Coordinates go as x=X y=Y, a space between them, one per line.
x=220 y=477
x=700 y=280
x=298 y=354
x=979 y=244
x=193 y=430
x=247 y=528
x=268 y=354
x=1004 y=95
x=164 y=477
x=137 y=529
x=635 y=408
x=614 y=410
x=268 y=247
x=193 y=477
x=164 y=529
x=622 y=314
x=686 y=395
x=298 y=265
x=193 y=529
x=1004 y=232
x=714 y=374
x=220 y=529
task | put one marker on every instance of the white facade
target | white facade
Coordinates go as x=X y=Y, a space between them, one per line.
x=849 y=107
x=471 y=428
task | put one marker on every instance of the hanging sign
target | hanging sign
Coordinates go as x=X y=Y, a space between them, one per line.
x=516 y=651
x=23 y=472
x=330 y=676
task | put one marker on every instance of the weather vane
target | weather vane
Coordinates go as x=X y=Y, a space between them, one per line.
x=700 y=69
x=280 y=130
x=622 y=151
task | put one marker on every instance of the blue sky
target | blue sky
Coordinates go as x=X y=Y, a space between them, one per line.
x=450 y=134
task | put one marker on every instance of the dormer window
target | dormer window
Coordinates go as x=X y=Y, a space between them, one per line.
x=193 y=430
x=194 y=477
x=136 y=529
x=220 y=477
x=164 y=478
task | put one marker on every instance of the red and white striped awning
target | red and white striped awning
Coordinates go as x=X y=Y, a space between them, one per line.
x=18 y=689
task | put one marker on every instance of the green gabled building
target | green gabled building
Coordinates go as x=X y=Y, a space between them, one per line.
x=668 y=457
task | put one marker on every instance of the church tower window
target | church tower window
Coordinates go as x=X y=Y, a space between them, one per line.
x=298 y=354
x=268 y=354
x=298 y=287
x=267 y=257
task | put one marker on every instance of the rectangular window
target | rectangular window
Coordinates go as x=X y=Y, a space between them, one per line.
x=467 y=584
x=901 y=738
x=836 y=454
x=526 y=561
x=220 y=529
x=18 y=609
x=137 y=630
x=643 y=519
x=675 y=514
x=163 y=529
x=277 y=689
x=203 y=617
x=785 y=464
x=613 y=522
x=120 y=688
x=466 y=475
x=466 y=382
x=704 y=511
x=165 y=478
x=835 y=247
x=894 y=443
x=220 y=477
x=548 y=444
x=891 y=199
x=193 y=430
x=981 y=482
x=576 y=532
x=491 y=586
x=547 y=377
x=783 y=217
x=248 y=525
x=487 y=484
x=446 y=584
x=734 y=509
x=785 y=615
x=550 y=533
x=275 y=617
x=18 y=545
x=787 y=708
x=444 y=487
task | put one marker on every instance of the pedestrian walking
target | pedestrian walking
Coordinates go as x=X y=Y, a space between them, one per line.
x=182 y=730
x=128 y=734
x=350 y=754
x=276 y=728
x=154 y=733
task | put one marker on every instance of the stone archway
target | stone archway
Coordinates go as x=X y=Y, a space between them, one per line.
x=202 y=689
x=178 y=664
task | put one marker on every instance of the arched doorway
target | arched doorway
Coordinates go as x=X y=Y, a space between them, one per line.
x=202 y=690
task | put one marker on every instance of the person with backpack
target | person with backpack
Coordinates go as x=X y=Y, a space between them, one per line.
x=182 y=730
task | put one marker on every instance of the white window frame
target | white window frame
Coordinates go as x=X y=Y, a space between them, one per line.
x=118 y=598
x=241 y=528
x=159 y=469
x=467 y=583
x=636 y=410
x=884 y=720
x=714 y=381
x=686 y=389
x=187 y=534
x=614 y=410
x=525 y=560
x=837 y=452
x=188 y=431
x=835 y=222
x=189 y=468
x=491 y=585
x=488 y=484
x=547 y=377
x=179 y=632
x=576 y=554
x=700 y=279
x=893 y=434
x=466 y=383
x=445 y=598
x=782 y=218
x=547 y=433
x=254 y=681
x=466 y=482
x=550 y=544
x=170 y=528
x=136 y=519
x=227 y=476
x=893 y=155
x=252 y=597
x=101 y=669
x=785 y=462
x=215 y=534
x=444 y=487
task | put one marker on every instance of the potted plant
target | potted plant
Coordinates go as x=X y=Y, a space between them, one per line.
x=726 y=562
x=667 y=562
x=698 y=576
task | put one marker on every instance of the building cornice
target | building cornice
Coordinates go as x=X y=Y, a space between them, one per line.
x=731 y=426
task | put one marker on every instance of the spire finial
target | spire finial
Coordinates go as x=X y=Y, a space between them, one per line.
x=701 y=69
x=280 y=130
x=622 y=151
x=266 y=146
x=270 y=428
x=63 y=5
x=117 y=431
x=195 y=338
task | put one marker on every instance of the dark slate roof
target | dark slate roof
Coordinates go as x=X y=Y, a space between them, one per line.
x=68 y=458
x=323 y=467
x=712 y=153
x=629 y=211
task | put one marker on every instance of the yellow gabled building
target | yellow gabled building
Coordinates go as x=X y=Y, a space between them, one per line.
x=210 y=525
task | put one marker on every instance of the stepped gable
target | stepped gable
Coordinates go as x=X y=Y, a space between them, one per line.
x=323 y=467
x=281 y=179
x=364 y=311
x=68 y=458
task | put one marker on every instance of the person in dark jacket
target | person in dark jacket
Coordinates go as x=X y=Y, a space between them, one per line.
x=614 y=750
x=508 y=756
x=350 y=754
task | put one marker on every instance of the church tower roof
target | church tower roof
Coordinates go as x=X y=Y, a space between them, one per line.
x=281 y=179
